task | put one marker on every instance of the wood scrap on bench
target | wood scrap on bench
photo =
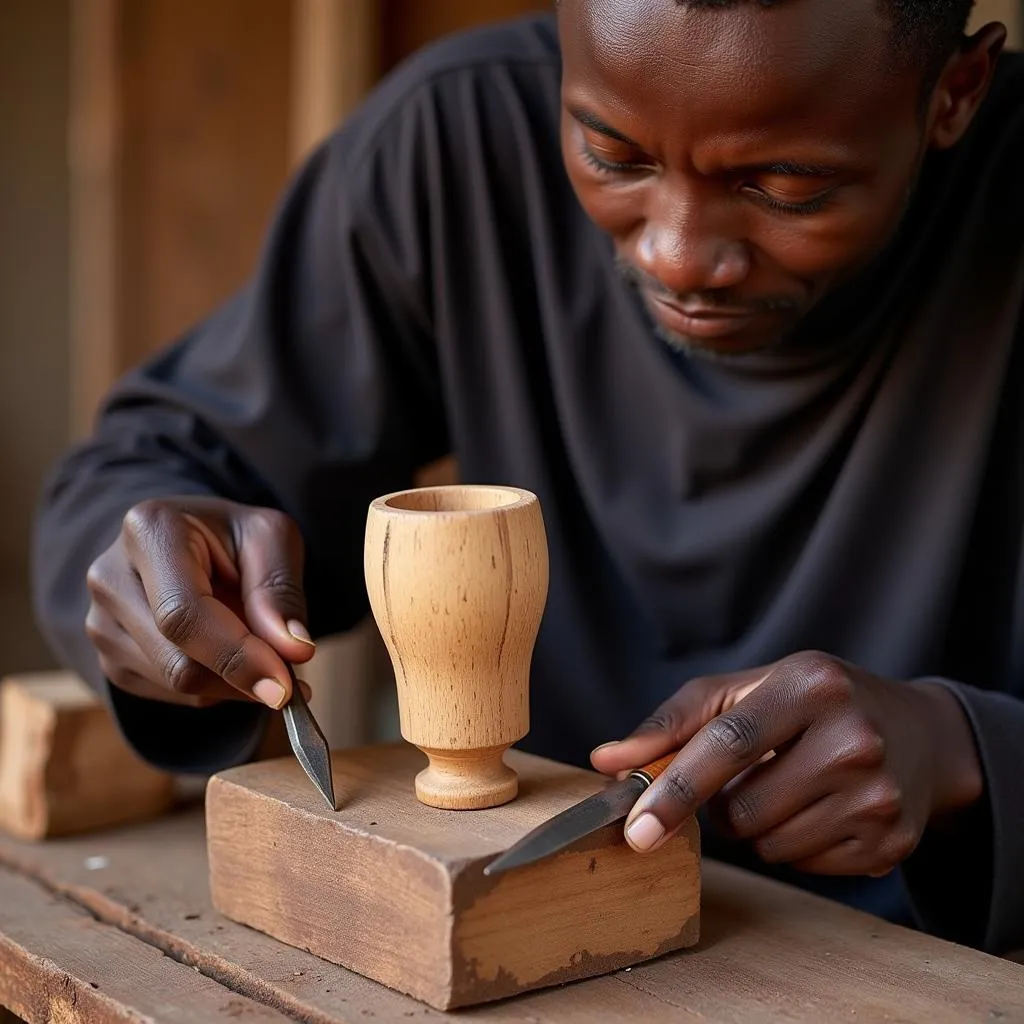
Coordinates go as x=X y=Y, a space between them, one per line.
x=64 y=766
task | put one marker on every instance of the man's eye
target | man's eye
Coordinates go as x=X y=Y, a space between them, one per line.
x=617 y=160
x=603 y=164
x=814 y=204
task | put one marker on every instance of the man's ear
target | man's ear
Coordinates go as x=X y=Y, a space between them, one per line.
x=963 y=84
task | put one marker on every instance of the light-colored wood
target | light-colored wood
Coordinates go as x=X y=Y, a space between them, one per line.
x=93 y=152
x=409 y=905
x=34 y=297
x=64 y=767
x=58 y=965
x=335 y=64
x=457 y=578
x=411 y=24
x=203 y=90
x=179 y=149
x=768 y=953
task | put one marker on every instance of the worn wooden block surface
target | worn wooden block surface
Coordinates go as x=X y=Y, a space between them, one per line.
x=64 y=767
x=394 y=889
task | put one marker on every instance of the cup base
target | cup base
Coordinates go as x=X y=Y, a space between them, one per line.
x=466 y=780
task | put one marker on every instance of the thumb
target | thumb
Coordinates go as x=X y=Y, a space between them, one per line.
x=676 y=721
x=270 y=562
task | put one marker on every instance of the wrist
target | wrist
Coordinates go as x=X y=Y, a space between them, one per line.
x=958 y=779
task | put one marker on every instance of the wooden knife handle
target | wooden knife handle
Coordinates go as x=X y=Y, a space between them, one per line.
x=651 y=771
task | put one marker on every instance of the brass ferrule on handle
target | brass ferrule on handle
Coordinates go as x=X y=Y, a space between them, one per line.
x=651 y=771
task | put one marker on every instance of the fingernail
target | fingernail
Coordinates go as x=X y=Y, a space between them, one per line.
x=645 y=833
x=604 y=746
x=299 y=631
x=271 y=692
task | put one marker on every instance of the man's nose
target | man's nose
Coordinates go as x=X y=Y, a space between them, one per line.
x=690 y=244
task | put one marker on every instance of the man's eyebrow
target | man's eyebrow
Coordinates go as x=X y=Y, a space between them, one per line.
x=592 y=121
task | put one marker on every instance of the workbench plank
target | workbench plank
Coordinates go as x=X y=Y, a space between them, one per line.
x=768 y=952
x=57 y=963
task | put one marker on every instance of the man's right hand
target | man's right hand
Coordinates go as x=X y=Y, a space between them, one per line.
x=200 y=600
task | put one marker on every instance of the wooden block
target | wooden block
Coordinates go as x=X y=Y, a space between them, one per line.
x=394 y=889
x=64 y=767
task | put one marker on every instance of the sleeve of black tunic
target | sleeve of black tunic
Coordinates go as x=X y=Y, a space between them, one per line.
x=966 y=879
x=312 y=391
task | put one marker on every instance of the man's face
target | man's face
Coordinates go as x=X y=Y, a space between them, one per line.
x=744 y=160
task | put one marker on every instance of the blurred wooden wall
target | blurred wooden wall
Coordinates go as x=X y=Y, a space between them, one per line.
x=34 y=281
x=187 y=117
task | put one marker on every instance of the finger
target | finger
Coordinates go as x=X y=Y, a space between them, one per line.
x=866 y=834
x=139 y=686
x=124 y=665
x=677 y=720
x=114 y=642
x=121 y=627
x=819 y=762
x=270 y=560
x=175 y=567
x=872 y=854
x=848 y=857
x=769 y=716
x=811 y=831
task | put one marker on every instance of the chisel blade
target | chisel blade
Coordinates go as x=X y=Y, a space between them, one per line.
x=610 y=805
x=309 y=743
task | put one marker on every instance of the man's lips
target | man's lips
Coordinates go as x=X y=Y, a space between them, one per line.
x=704 y=322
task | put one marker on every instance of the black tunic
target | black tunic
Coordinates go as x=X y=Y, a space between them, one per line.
x=431 y=285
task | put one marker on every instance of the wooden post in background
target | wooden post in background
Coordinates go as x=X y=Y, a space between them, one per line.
x=178 y=139
x=335 y=63
x=93 y=156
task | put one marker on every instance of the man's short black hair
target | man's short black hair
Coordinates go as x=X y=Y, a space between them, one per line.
x=924 y=31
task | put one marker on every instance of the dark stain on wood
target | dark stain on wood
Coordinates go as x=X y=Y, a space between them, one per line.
x=506 y=554
x=385 y=563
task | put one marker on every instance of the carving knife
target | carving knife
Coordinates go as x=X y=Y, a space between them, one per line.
x=308 y=742
x=609 y=805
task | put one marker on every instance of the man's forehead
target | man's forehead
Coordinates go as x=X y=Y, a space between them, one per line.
x=658 y=53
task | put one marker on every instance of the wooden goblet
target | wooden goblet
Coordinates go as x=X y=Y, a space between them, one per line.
x=457 y=578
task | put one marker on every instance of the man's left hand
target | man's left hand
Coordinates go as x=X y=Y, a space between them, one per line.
x=818 y=763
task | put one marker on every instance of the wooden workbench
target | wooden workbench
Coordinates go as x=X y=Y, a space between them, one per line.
x=119 y=927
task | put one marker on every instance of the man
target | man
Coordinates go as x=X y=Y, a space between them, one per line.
x=736 y=289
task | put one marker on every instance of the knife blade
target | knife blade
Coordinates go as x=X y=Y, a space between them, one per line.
x=611 y=804
x=308 y=742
